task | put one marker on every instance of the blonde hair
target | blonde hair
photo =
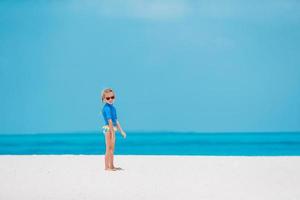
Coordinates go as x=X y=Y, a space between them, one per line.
x=106 y=90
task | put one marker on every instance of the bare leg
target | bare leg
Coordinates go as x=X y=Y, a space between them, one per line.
x=113 y=140
x=107 y=152
x=113 y=151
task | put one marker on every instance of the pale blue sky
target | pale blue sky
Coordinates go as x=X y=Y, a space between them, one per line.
x=175 y=65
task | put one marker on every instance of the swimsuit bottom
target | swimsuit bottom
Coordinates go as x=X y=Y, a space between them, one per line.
x=106 y=128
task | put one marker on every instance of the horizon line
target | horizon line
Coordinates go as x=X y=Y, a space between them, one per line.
x=147 y=132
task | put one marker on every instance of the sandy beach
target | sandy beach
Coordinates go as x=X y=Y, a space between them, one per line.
x=79 y=177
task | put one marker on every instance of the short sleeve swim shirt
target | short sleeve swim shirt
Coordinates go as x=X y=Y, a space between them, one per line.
x=109 y=112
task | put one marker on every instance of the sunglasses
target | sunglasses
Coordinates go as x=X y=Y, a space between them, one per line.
x=108 y=98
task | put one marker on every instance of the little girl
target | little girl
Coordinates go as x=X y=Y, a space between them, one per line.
x=111 y=125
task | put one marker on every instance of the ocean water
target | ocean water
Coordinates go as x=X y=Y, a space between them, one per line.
x=157 y=143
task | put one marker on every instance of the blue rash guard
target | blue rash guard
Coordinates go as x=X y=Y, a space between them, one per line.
x=109 y=112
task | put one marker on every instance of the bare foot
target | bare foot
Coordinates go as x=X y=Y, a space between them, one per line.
x=110 y=169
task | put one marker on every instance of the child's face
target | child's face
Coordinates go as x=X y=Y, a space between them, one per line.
x=109 y=97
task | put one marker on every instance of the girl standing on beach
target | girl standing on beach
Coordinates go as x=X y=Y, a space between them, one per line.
x=111 y=126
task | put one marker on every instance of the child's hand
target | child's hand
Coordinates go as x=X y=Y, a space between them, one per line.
x=123 y=134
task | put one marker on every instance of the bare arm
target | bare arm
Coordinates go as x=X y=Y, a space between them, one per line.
x=119 y=126
x=120 y=129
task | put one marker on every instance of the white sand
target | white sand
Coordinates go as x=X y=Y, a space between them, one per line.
x=80 y=177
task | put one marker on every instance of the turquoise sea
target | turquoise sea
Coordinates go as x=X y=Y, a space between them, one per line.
x=155 y=143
